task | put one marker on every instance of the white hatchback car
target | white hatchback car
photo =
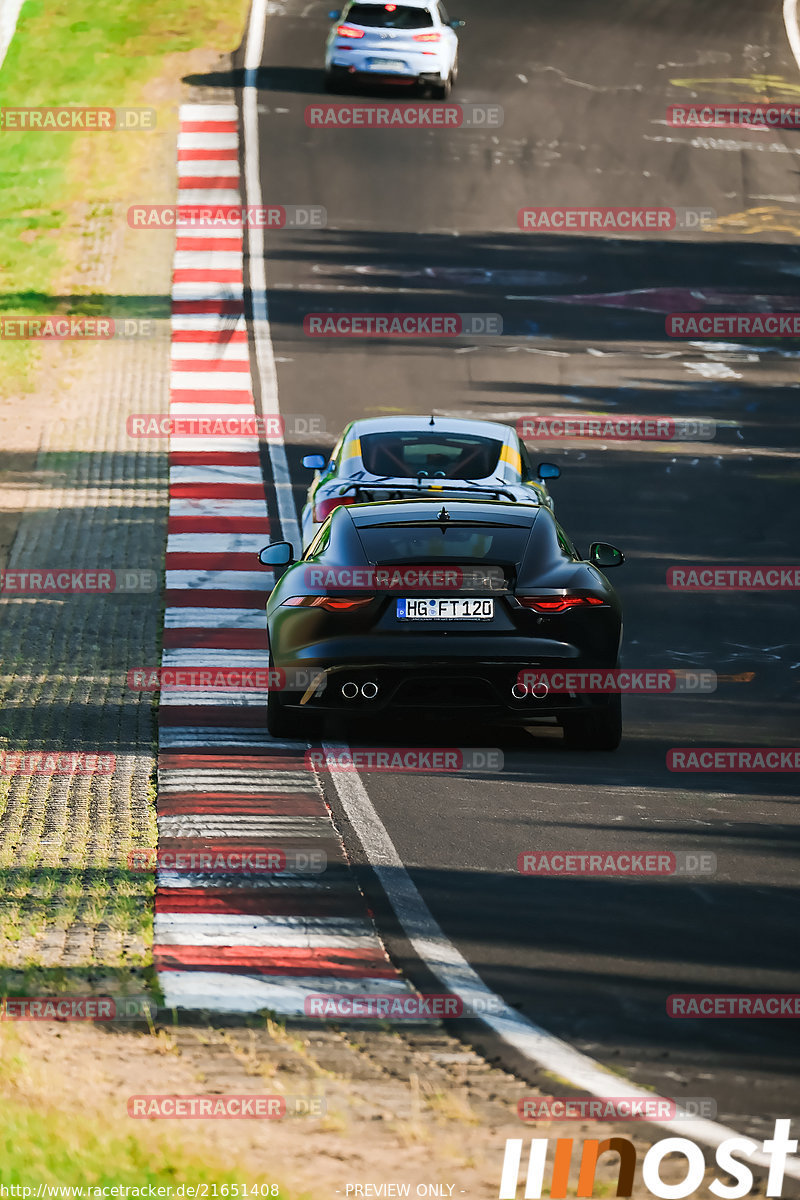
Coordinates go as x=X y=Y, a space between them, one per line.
x=412 y=43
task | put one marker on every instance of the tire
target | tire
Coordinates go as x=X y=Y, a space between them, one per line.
x=283 y=722
x=441 y=91
x=599 y=729
x=288 y=723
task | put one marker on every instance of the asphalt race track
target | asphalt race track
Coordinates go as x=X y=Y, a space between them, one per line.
x=426 y=221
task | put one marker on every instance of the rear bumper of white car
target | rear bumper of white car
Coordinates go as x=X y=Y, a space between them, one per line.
x=401 y=67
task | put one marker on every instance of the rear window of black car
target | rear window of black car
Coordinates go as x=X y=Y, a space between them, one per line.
x=494 y=544
x=430 y=455
x=389 y=16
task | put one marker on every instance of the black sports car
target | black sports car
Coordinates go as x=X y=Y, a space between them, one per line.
x=424 y=608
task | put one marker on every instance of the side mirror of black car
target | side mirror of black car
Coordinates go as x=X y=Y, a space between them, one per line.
x=548 y=471
x=315 y=462
x=277 y=554
x=605 y=556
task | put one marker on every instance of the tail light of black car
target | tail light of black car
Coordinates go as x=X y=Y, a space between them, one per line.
x=329 y=603
x=549 y=605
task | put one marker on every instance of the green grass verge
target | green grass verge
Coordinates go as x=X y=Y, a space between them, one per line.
x=55 y=1132
x=79 y=52
x=51 y=1146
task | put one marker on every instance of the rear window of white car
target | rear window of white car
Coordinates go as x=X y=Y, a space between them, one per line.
x=388 y=16
x=430 y=455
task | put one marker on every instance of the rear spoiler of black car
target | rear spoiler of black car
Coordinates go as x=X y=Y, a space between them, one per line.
x=365 y=492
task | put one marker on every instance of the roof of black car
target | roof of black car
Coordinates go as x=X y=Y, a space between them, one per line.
x=403 y=512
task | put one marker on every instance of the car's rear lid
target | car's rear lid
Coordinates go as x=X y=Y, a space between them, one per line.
x=389 y=18
x=485 y=553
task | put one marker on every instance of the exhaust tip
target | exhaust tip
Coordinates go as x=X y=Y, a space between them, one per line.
x=519 y=691
x=350 y=690
x=540 y=689
x=369 y=690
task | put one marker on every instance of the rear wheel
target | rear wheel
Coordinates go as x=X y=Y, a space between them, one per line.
x=291 y=723
x=441 y=91
x=597 y=729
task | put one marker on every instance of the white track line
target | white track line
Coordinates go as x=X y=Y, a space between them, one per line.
x=431 y=945
x=792 y=29
x=265 y=357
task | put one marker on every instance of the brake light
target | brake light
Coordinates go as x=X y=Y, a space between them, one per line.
x=329 y=603
x=324 y=508
x=348 y=31
x=427 y=37
x=558 y=604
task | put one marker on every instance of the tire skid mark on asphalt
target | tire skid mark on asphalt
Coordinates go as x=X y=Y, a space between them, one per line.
x=228 y=940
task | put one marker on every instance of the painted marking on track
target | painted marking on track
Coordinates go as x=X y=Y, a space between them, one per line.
x=234 y=943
